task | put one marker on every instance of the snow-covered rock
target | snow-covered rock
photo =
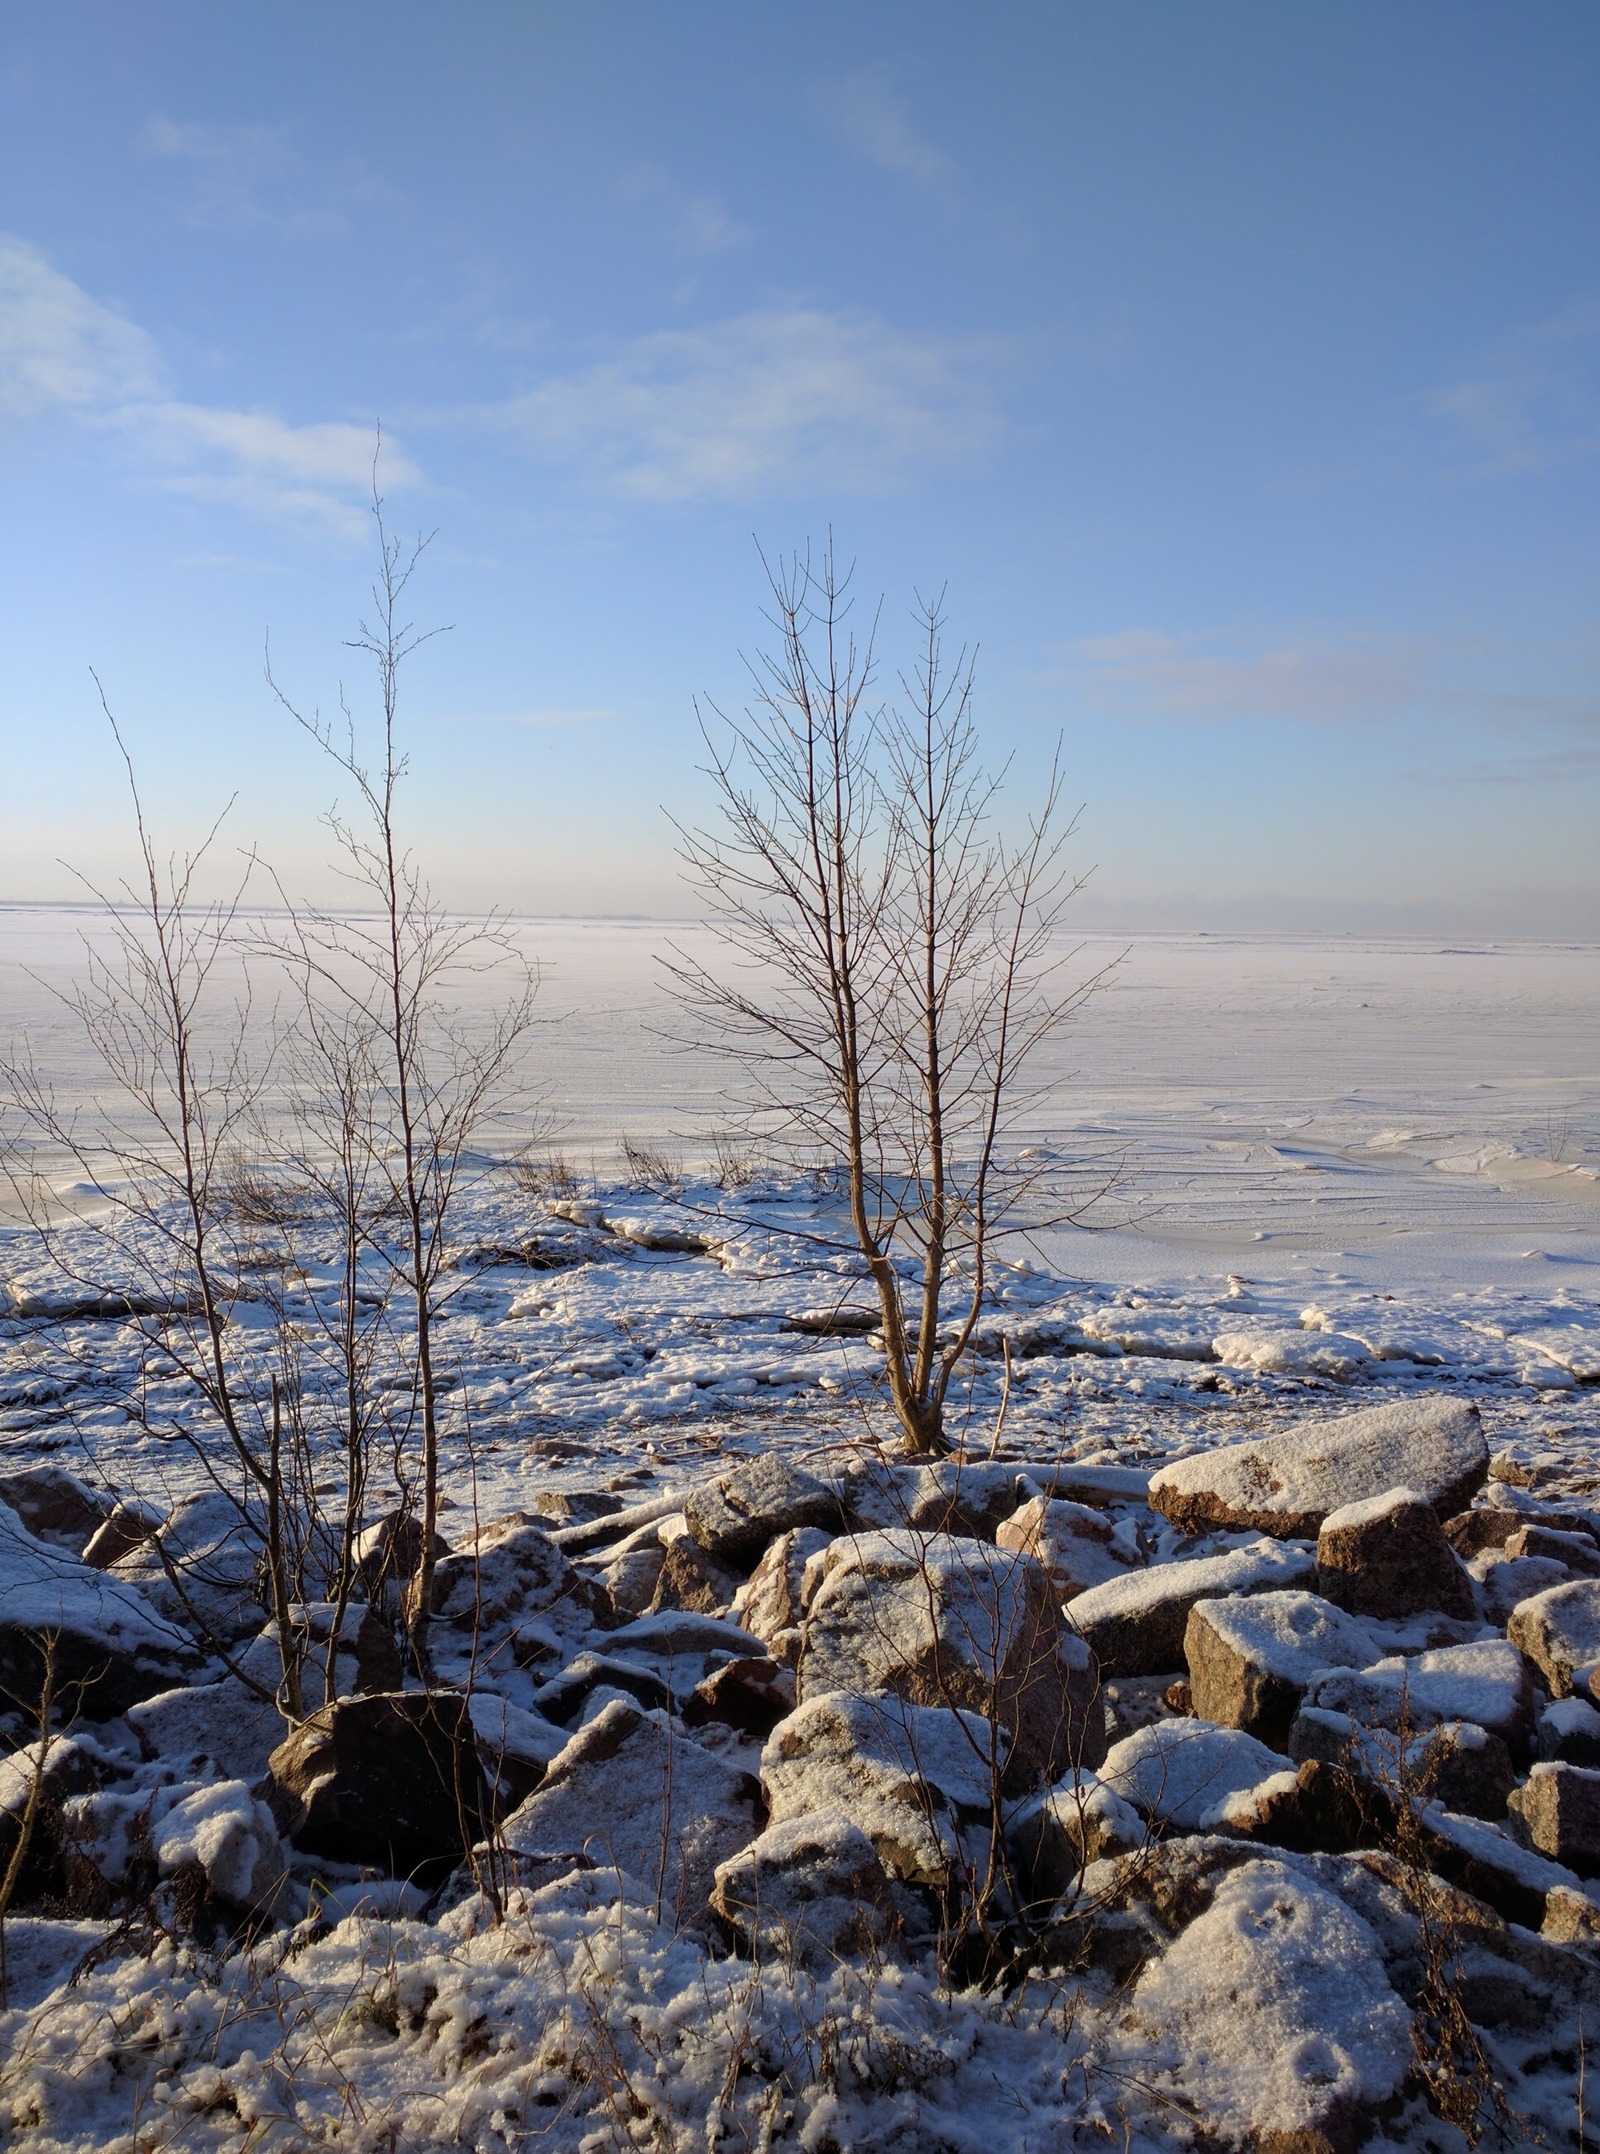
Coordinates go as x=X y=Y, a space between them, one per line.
x=1287 y=1485
x=227 y=1834
x=1272 y=2016
x=942 y=1620
x=1072 y=1541
x=225 y=1721
x=1250 y=1661
x=1134 y=1625
x=736 y=1516
x=111 y=1646
x=635 y=1791
x=811 y=1889
x=1387 y=1557
x=1191 y=1775
x=1485 y=1682
x=772 y=1601
x=1559 y=1630
x=915 y=1778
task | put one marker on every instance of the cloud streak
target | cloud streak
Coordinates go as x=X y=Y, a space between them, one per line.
x=62 y=351
x=1536 y=404
x=791 y=400
x=874 y=120
x=1332 y=680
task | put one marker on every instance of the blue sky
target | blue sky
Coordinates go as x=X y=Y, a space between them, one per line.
x=1236 y=368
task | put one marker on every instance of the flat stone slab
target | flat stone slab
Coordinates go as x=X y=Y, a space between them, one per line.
x=1288 y=1485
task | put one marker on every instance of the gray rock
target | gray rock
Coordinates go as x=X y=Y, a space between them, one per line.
x=1569 y=1733
x=736 y=1517
x=55 y=1506
x=226 y=1722
x=1135 y=1625
x=1072 y=1541
x=943 y=1621
x=203 y=1571
x=1056 y=1835
x=1560 y=1805
x=514 y=1571
x=1388 y=1557
x=810 y=1890
x=632 y=1789
x=1250 y=1661
x=1287 y=1485
x=1559 y=1630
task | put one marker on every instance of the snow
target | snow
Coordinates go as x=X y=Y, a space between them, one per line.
x=1334 y=1196
x=1192 y=1775
x=1272 y=2011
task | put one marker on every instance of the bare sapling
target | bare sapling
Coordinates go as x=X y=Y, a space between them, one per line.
x=391 y=963
x=892 y=963
x=172 y=1042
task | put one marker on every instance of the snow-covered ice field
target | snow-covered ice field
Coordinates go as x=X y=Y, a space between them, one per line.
x=1336 y=1164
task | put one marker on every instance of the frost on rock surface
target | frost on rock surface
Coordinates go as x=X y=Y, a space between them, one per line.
x=1288 y=1484
x=634 y=1791
x=945 y=1621
x=1134 y=1625
x=1250 y=1661
x=1559 y=1630
x=111 y=1646
x=1192 y=1775
x=1271 y=2015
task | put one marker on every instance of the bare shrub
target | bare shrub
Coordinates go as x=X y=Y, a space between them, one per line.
x=651 y=1168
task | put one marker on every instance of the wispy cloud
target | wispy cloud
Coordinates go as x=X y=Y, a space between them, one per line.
x=1535 y=403
x=1334 y=678
x=247 y=175
x=791 y=400
x=1164 y=675
x=698 y=224
x=63 y=351
x=866 y=111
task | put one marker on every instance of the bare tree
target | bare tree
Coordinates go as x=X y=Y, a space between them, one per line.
x=177 y=1095
x=893 y=963
x=391 y=966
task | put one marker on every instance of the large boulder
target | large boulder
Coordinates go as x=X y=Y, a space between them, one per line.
x=1484 y=1682
x=390 y=1782
x=810 y=1890
x=1072 y=1541
x=943 y=1621
x=772 y=1601
x=1271 y=2016
x=922 y=1782
x=1250 y=1661
x=632 y=1789
x=1189 y=1776
x=1287 y=1485
x=105 y=1645
x=1387 y=1557
x=1560 y=1806
x=1559 y=1630
x=741 y=1512
x=1134 y=1625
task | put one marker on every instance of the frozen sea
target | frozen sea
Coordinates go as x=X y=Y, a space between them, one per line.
x=1334 y=1163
